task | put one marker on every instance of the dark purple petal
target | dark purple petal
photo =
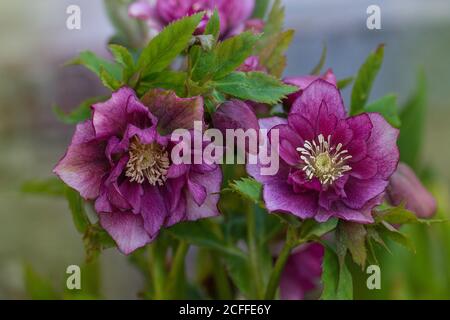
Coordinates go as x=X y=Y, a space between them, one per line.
x=212 y=181
x=364 y=169
x=302 y=83
x=289 y=142
x=84 y=165
x=302 y=272
x=382 y=145
x=308 y=104
x=126 y=229
x=153 y=209
x=110 y=117
x=359 y=192
x=173 y=112
x=234 y=114
x=279 y=196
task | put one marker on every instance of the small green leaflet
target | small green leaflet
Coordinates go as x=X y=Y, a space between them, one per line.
x=255 y=86
x=364 y=80
x=167 y=45
x=80 y=113
x=94 y=63
x=248 y=188
x=336 y=278
x=272 y=54
x=316 y=70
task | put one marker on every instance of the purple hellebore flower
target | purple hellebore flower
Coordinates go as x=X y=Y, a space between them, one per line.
x=331 y=165
x=301 y=275
x=233 y=14
x=404 y=186
x=121 y=160
x=302 y=83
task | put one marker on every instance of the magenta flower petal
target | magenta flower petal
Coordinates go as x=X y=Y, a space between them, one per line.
x=84 y=165
x=303 y=82
x=126 y=229
x=308 y=104
x=278 y=196
x=212 y=181
x=382 y=145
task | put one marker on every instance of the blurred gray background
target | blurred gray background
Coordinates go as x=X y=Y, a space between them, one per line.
x=35 y=43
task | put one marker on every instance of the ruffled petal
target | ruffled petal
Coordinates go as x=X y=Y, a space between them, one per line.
x=126 y=229
x=84 y=165
x=308 y=104
x=173 y=112
x=279 y=196
x=382 y=145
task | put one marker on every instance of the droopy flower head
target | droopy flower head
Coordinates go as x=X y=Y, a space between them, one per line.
x=331 y=165
x=233 y=14
x=405 y=187
x=301 y=275
x=121 y=160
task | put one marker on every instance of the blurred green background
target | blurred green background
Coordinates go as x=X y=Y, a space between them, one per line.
x=38 y=231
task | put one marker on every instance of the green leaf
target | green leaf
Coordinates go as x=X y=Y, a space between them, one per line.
x=260 y=9
x=108 y=80
x=364 y=80
x=413 y=119
x=354 y=237
x=130 y=33
x=275 y=20
x=50 y=186
x=232 y=52
x=316 y=70
x=336 y=278
x=387 y=107
x=201 y=233
x=249 y=188
x=255 y=86
x=76 y=206
x=239 y=270
x=343 y=83
x=213 y=25
x=169 y=80
x=396 y=215
x=313 y=230
x=167 y=45
x=37 y=287
x=124 y=58
x=94 y=63
x=388 y=231
x=80 y=113
x=272 y=55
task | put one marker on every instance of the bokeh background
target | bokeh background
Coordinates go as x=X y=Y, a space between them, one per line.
x=38 y=231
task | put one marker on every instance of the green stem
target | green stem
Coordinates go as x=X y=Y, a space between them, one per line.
x=253 y=252
x=222 y=285
x=275 y=276
x=176 y=275
x=157 y=256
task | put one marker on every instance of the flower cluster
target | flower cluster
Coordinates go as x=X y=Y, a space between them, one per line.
x=338 y=167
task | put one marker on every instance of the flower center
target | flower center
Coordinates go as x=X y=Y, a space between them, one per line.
x=147 y=161
x=323 y=161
